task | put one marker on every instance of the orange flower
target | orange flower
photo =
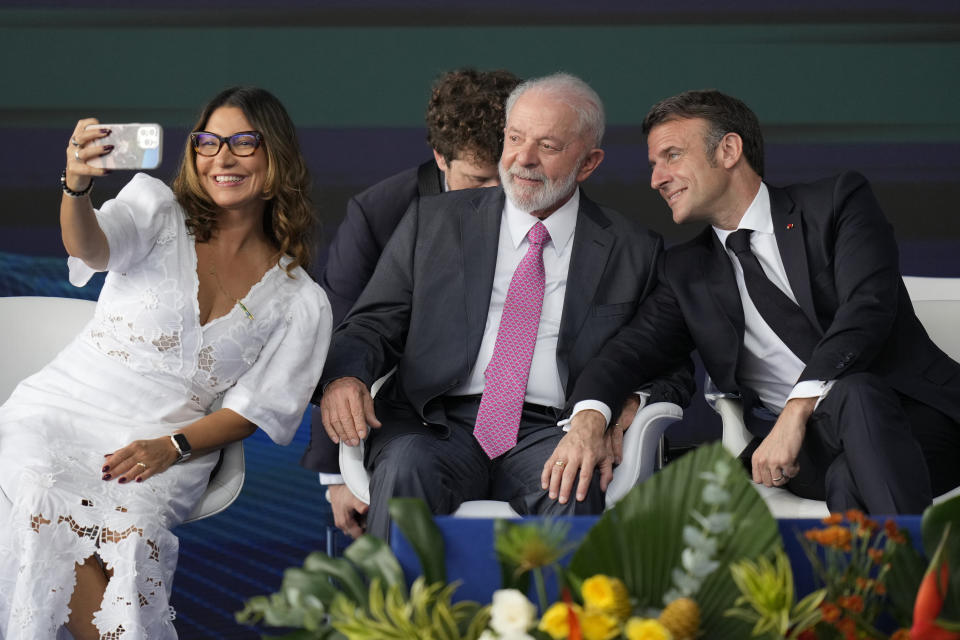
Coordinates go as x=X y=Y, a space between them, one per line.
x=851 y=603
x=847 y=627
x=893 y=533
x=855 y=516
x=901 y=634
x=833 y=536
x=830 y=612
x=880 y=588
x=876 y=555
x=833 y=518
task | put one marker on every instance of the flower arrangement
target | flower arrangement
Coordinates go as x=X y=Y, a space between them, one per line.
x=691 y=553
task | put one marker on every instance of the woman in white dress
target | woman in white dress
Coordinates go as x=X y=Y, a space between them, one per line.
x=206 y=304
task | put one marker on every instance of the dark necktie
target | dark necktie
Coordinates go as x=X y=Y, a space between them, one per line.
x=780 y=312
x=501 y=404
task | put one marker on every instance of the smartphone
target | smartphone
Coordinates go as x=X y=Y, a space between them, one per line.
x=136 y=145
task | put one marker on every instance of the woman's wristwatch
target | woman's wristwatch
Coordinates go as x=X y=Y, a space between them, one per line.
x=182 y=445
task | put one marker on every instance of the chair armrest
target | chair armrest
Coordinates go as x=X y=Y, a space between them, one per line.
x=354 y=474
x=640 y=444
x=735 y=435
x=224 y=485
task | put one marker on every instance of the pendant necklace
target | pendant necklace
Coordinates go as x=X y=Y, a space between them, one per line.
x=213 y=272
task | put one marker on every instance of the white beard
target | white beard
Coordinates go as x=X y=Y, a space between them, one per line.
x=536 y=198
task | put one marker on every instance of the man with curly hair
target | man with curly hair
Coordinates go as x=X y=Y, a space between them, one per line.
x=465 y=118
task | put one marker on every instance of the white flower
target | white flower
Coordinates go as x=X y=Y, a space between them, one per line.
x=697 y=563
x=511 y=613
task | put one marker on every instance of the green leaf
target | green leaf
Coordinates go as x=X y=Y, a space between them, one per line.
x=375 y=558
x=907 y=566
x=414 y=519
x=935 y=520
x=641 y=538
x=340 y=570
x=510 y=577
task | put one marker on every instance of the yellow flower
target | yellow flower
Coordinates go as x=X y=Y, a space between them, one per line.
x=556 y=621
x=646 y=629
x=607 y=595
x=597 y=625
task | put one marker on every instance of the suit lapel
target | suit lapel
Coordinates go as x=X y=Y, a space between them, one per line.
x=788 y=229
x=592 y=244
x=479 y=240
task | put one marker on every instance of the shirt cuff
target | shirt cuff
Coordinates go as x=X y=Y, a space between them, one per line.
x=811 y=389
x=330 y=478
x=583 y=405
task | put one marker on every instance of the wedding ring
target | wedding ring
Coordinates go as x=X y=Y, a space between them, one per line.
x=778 y=479
x=140 y=464
x=74 y=142
x=560 y=463
x=76 y=154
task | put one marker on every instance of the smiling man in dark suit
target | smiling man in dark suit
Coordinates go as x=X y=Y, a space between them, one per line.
x=794 y=300
x=490 y=302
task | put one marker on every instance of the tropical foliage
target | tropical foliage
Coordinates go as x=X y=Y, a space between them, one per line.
x=691 y=553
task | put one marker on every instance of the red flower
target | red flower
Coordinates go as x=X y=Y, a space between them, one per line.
x=930 y=596
x=572 y=620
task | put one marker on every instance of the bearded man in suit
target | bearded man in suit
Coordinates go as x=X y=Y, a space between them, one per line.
x=794 y=300
x=490 y=302
x=464 y=117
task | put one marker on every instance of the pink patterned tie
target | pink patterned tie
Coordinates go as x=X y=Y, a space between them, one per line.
x=498 y=418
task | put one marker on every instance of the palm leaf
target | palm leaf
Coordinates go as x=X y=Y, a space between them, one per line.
x=414 y=519
x=641 y=538
x=375 y=558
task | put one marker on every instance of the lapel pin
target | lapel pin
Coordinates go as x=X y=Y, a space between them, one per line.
x=790 y=226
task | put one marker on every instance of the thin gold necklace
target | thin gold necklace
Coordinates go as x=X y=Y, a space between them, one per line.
x=213 y=272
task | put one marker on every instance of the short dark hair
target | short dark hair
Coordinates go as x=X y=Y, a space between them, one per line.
x=466 y=113
x=724 y=114
x=289 y=216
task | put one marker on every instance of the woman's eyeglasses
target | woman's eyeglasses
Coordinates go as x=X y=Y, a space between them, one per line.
x=240 y=144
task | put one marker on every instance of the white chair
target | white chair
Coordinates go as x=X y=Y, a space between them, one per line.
x=34 y=329
x=937 y=304
x=641 y=457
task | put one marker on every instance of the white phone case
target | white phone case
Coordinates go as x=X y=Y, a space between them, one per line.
x=136 y=145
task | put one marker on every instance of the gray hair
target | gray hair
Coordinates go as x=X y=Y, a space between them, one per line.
x=573 y=92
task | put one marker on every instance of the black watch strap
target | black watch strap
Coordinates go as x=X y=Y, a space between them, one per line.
x=182 y=445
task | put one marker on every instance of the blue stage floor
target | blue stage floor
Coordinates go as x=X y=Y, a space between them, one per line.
x=278 y=519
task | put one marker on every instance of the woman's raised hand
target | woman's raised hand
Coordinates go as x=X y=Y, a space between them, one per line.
x=81 y=148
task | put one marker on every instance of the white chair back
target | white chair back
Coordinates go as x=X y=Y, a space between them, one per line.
x=34 y=329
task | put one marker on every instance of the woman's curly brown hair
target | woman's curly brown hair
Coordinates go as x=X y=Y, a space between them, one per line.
x=289 y=216
x=465 y=113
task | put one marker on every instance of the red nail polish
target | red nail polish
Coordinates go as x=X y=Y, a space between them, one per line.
x=107 y=148
x=122 y=480
x=106 y=468
x=139 y=479
x=106 y=476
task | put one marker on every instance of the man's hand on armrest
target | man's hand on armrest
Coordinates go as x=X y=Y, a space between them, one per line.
x=347 y=409
x=580 y=451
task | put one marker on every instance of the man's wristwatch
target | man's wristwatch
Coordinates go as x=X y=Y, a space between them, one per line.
x=182 y=445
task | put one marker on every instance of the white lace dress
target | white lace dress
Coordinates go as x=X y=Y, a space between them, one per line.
x=142 y=368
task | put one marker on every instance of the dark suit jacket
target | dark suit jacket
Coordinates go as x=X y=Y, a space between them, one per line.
x=426 y=306
x=841 y=259
x=372 y=216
